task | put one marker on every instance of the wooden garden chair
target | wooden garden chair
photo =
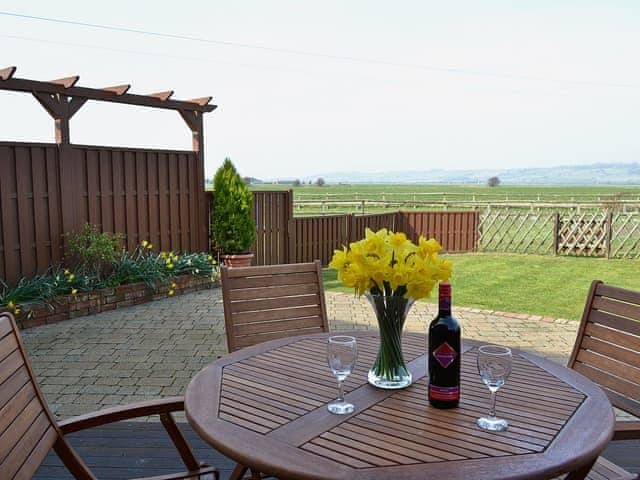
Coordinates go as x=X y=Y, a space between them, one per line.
x=607 y=351
x=28 y=430
x=264 y=303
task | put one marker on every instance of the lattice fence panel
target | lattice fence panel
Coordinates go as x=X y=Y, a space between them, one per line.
x=583 y=234
x=625 y=235
x=516 y=232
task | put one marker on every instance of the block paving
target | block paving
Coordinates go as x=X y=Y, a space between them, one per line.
x=153 y=350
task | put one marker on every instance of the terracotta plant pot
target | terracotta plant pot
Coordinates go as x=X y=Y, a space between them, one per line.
x=237 y=260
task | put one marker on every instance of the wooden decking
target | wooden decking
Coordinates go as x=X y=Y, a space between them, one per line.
x=133 y=449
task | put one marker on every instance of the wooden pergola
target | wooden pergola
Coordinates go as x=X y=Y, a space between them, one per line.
x=56 y=188
x=62 y=99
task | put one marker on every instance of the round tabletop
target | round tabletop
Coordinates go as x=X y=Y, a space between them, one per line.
x=265 y=407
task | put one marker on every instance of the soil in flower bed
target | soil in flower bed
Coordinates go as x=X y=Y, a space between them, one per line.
x=89 y=303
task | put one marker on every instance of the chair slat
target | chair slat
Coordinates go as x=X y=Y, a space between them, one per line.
x=276 y=314
x=621 y=294
x=268 y=303
x=619 y=338
x=609 y=365
x=38 y=431
x=265 y=303
x=271 y=280
x=10 y=364
x=286 y=268
x=8 y=344
x=612 y=351
x=37 y=455
x=278 y=325
x=15 y=405
x=271 y=292
x=248 y=340
x=12 y=385
x=19 y=425
x=615 y=317
x=5 y=326
x=624 y=387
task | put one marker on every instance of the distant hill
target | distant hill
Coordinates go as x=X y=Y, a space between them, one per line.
x=594 y=174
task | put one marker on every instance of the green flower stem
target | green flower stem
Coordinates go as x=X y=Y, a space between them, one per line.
x=391 y=313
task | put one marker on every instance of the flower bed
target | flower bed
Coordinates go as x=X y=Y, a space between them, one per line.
x=64 y=307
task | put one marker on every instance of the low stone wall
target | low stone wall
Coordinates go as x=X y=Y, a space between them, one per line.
x=89 y=303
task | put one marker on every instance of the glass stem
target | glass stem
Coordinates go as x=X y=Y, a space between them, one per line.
x=340 y=391
x=492 y=412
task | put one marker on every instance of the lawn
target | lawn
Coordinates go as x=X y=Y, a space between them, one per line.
x=535 y=284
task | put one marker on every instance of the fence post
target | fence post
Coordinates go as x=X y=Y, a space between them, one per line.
x=556 y=232
x=291 y=234
x=608 y=233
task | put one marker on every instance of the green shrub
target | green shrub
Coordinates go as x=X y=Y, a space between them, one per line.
x=94 y=251
x=233 y=228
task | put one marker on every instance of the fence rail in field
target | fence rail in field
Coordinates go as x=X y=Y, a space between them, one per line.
x=330 y=207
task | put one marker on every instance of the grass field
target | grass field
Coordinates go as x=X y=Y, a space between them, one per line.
x=441 y=193
x=534 y=284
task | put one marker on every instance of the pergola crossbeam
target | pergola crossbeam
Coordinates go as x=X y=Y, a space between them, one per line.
x=7 y=73
x=32 y=86
x=118 y=89
x=66 y=82
x=201 y=101
x=162 y=96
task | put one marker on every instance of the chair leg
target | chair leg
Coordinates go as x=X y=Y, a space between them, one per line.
x=238 y=472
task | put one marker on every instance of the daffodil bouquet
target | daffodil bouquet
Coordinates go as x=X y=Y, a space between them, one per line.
x=387 y=263
x=392 y=272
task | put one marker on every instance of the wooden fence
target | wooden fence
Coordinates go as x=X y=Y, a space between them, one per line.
x=47 y=190
x=596 y=233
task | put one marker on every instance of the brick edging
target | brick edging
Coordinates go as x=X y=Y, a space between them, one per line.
x=69 y=306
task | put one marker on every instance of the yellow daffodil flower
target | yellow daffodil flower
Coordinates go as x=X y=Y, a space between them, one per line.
x=17 y=311
x=171 y=293
x=11 y=305
x=74 y=291
x=389 y=261
x=144 y=243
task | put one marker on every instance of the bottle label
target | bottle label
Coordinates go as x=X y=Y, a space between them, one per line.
x=445 y=354
x=444 y=393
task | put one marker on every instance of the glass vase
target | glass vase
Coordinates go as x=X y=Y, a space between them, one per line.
x=389 y=370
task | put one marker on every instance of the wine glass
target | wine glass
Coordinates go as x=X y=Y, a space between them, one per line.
x=341 y=357
x=494 y=366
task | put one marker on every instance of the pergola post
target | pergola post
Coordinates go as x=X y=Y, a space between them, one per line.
x=194 y=121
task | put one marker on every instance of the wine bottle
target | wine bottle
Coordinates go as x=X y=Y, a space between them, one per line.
x=444 y=354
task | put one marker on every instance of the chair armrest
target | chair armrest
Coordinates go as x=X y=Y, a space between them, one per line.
x=125 y=412
x=627 y=430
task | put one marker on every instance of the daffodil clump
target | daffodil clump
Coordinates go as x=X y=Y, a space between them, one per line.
x=141 y=265
x=387 y=263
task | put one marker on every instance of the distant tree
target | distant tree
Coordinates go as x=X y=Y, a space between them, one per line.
x=320 y=181
x=246 y=180
x=296 y=183
x=493 y=182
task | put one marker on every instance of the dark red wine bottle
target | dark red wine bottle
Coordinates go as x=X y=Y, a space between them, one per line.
x=444 y=354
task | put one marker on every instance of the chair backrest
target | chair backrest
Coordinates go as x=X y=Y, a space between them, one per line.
x=607 y=348
x=264 y=303
x=27 y=428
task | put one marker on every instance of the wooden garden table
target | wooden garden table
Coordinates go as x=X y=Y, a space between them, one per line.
x=265 y=407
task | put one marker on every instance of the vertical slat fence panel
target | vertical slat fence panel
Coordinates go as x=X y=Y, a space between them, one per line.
x=143 y=194
x=456 y=231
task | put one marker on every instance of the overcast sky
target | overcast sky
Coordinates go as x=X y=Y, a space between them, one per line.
x=381 y=85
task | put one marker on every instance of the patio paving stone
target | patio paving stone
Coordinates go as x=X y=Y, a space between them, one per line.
x=150 y=350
